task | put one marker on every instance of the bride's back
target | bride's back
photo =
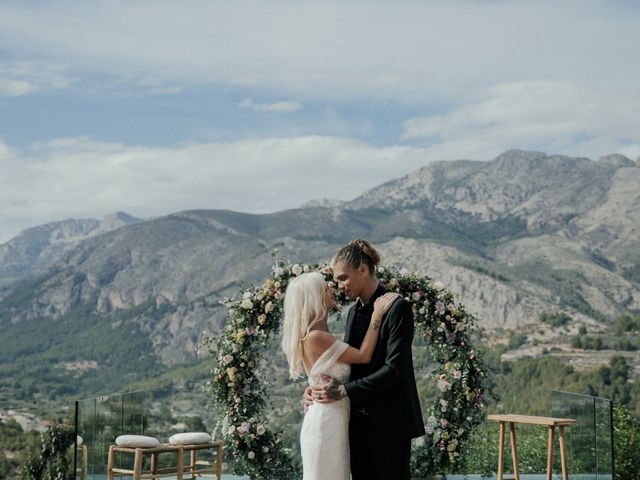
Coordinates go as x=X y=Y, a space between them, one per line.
x=320 y=353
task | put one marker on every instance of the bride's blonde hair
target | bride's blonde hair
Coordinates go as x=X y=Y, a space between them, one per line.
x=303 y=306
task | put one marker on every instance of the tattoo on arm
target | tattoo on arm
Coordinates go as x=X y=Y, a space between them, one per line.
x=336 y=391
x=375 y=324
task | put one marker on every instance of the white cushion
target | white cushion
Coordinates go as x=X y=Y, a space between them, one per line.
x=137 y=441
x=190 y=438
x=78 y=440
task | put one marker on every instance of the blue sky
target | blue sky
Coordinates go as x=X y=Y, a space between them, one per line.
x=153 y=106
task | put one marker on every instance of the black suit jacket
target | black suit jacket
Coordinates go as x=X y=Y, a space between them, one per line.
x=386 y=387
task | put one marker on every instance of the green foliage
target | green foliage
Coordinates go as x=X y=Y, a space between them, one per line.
x=481 y=456
x=14 y=441
x=626 y=444
x=576 y=341
x=52 y=461
x=599 y=258
x=485 y=271
x=632 y=273
x=516 y=340
x=588 y=342
x=577 y=301
x=34 y=358
x=555 y=319
x=626 y=324
x=539 y=376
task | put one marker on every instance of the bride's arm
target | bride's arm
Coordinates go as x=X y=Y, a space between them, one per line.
x=319 y=341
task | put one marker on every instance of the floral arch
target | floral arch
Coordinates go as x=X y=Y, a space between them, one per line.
x=255 y=317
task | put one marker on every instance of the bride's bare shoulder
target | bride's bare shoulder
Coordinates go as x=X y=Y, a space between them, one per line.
x=319 y=340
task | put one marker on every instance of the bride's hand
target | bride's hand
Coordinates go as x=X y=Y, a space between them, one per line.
x=383 y=303
x=307 y=399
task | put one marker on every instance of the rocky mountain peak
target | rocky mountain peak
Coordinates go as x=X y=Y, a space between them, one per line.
x=36 y=249
x=322 y=202
x=617 y=160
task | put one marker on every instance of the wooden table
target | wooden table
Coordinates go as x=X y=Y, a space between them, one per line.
x=180 y=471
x=550 y=422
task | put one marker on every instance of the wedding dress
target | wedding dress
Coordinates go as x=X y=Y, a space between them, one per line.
x=324 y=437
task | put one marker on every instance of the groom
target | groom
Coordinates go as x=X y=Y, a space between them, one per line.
x=385 y=410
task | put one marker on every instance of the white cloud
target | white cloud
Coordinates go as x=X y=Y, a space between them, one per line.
x=15 y=88
x=19 y=78
x=78 y=177
x=556 y=117
x=280 y=107
x=411 y=51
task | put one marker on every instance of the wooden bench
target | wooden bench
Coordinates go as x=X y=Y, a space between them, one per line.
x=550 y=422
x=195 y=469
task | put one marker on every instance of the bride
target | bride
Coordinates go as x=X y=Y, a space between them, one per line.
x=310 y=347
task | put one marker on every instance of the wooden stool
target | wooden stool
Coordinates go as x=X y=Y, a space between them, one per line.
x=82 y=469
x=180 y=471
x=550 y=422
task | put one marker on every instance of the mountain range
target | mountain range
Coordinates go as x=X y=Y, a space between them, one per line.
x=517 y=237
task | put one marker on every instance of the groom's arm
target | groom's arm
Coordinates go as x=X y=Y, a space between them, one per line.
x=400 y=324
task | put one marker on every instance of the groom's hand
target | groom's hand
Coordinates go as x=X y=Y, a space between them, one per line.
x=329 y=392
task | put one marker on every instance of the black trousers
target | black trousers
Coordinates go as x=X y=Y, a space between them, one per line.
x=375 y=456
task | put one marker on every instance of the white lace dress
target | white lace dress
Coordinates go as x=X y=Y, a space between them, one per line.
x=324 y=438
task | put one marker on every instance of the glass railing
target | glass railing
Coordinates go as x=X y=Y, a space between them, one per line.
x=590 y=440
x=158 y=413
x=163 y=413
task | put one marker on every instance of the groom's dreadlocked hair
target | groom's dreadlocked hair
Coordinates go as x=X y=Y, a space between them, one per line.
x=357 y=252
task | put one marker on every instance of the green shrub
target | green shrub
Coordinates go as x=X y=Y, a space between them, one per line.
x=516 y=340
x=52 y=461
x=555 y=319
x=626 y=440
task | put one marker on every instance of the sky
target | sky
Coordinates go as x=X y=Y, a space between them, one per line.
x=153 y=107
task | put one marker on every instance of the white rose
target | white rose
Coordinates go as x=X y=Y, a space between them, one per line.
x=381 y=269
x=420 y=441
x=415 y=296
x=251 y=455
x=265 y=449
x=246 y=295
x=227 y=359
x=268 y=307
x=260 y=430
x=247 y=304
x=278 y=271
x=438 y=286
x=232 y=429
x=296 y=269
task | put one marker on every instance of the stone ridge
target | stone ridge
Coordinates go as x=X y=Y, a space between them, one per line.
x=523 y=234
